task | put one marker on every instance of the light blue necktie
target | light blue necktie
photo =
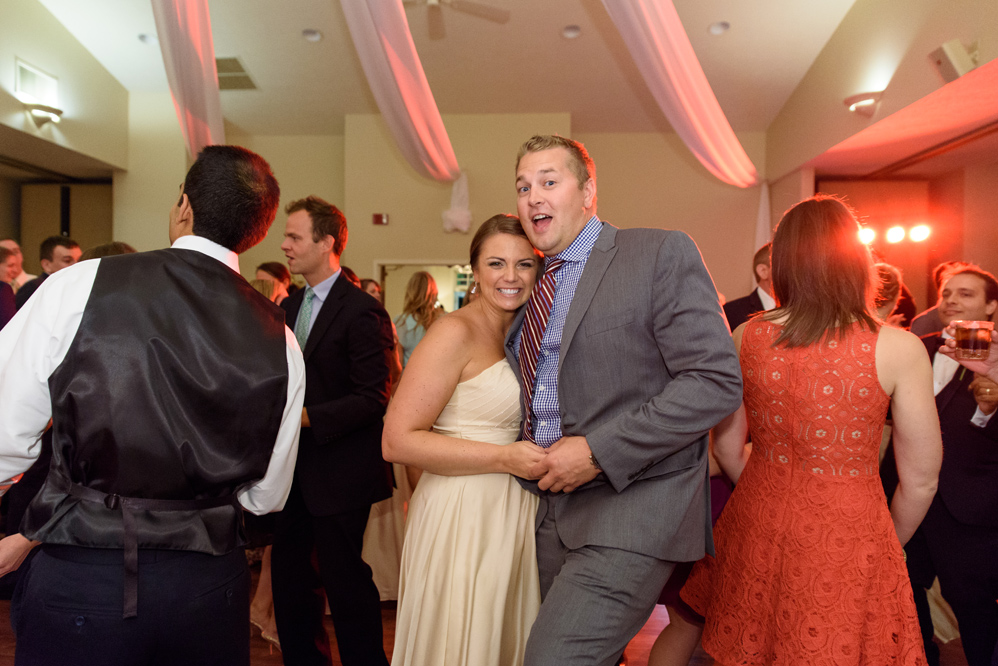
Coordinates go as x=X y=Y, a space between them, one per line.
x=304 y=316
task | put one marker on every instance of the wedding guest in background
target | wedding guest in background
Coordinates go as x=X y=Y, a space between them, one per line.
x=272 y=290
x=419 y=311
x=7 y=305
x=153 y=453
x=275 y=270
x=373 y=288
x=111 y=249
x=22 y=277
x=56 y=252
x=809 y=566
x=928 y=321
x=350 y=275
x=318 y=540
x=961 y=527
x=888 y=293
x=739 y=310
x=10 y=265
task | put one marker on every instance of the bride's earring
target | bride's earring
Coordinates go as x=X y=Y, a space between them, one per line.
x=474 y=287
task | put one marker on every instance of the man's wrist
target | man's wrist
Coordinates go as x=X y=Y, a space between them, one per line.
x=594 y=462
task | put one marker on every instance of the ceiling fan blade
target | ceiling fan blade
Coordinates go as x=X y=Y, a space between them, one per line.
x=487 y=12
x=435 y=22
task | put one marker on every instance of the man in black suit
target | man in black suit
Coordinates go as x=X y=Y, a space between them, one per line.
x=346 y=337
x=57 y=252
x=960 y=531
x=739 y=310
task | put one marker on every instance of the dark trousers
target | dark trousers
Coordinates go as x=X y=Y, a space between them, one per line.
x=964 y=559
x=312 y=553
x=193 y=609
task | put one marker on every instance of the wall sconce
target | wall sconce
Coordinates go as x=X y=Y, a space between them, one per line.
x=864 y=103
x=41 y=114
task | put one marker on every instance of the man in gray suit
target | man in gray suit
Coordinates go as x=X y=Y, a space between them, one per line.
x=626 y=363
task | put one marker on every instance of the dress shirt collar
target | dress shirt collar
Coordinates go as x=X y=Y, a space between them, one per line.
x=768 y=302
x=582 y=246
x=943 y=368
x=322 y=289
x=211 y=248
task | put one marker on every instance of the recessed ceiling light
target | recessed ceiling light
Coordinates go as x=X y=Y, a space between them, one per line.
x=719 y=28
x=148 y=38
x=571 y=31
x=311 y=34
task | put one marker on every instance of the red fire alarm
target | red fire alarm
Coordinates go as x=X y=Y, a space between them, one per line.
x=380 y=218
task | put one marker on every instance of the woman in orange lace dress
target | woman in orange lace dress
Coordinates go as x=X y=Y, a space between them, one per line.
x=809 y=566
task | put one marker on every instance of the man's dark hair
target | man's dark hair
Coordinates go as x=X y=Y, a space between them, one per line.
x=327 y=220
x=234 y=196
x=111 y=249
x=47 y=251
x=275 y=269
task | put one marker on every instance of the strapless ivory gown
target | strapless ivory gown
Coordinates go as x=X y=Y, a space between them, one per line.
x=468 y=591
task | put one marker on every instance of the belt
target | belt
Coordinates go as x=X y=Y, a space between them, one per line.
x=130 y=540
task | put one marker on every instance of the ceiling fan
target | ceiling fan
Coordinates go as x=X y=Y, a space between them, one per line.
x=435 y=16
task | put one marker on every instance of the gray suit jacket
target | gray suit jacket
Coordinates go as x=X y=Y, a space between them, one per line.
x=647 y=367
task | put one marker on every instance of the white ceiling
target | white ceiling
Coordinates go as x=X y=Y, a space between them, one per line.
x=522 y=66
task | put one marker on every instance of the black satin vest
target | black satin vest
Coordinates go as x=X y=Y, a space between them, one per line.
x=173 y=389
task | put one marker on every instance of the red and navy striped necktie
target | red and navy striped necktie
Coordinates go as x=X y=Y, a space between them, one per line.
x=534 y=324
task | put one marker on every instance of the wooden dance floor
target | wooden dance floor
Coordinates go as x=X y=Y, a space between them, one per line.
x=637 y=652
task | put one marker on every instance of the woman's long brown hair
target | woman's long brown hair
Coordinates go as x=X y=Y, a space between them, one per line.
x=823 y=275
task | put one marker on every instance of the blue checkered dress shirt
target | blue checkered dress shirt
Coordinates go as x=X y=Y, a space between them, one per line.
x=546 y=409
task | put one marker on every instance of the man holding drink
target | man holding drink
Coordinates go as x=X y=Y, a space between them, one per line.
x=960 y=532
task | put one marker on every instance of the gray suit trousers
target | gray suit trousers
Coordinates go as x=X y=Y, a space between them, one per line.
x=588 y=616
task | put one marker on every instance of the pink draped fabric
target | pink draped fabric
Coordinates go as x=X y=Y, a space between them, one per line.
x=184 y=31
x=662 y=51
x=384 y=44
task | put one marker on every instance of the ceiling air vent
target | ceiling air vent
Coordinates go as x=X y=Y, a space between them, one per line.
x=232 y=75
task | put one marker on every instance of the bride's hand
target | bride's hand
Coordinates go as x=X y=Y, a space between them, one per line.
x=521 y=456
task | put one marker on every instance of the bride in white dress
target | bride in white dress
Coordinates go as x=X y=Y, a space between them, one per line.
x=468 y=591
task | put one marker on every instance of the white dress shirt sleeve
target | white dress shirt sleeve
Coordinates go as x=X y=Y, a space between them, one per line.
x=32 y=345
x=980 y=419
x=271 y=492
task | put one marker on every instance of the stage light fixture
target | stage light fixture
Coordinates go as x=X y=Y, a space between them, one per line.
x=895 y=234
x=919 y=233
x=867 y=235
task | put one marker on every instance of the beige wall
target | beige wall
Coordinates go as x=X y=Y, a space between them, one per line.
x=90 y=215
x=95 y=121
x=787 y=191
x=980 y=230
x=10 y=209
x=41 y=207
x=652 y=180
x=157 y=164
x=378 y=180
x=880 y=45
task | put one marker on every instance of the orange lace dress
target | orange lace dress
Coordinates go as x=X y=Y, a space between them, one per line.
x=808 y=568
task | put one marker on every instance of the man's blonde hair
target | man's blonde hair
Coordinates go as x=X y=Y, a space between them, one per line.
x=579 y=161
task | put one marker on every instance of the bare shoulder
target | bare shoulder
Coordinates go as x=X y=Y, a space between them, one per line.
x=451 y=330
x=899 y=354
x=895 y=344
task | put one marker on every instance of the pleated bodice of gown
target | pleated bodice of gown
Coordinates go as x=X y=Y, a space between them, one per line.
x=469 y=590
